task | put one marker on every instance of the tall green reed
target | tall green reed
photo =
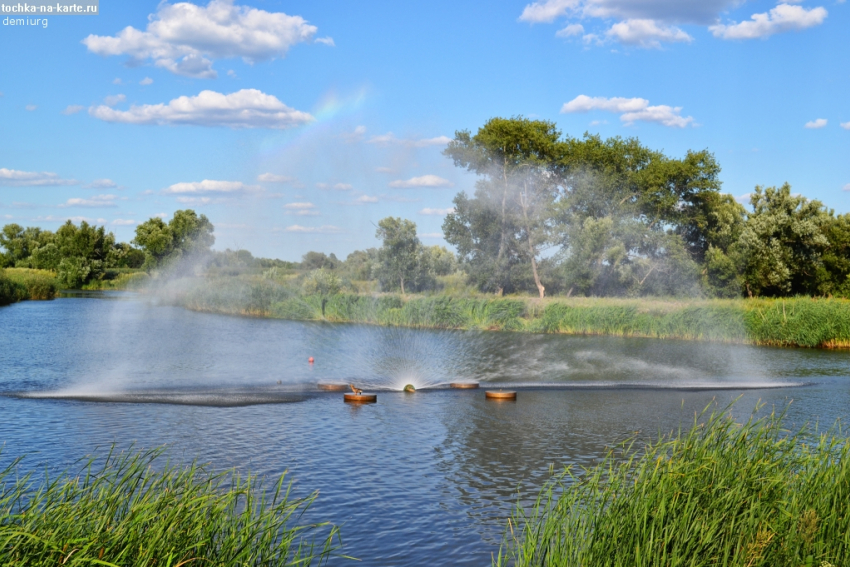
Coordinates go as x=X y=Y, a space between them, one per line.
x=720 y=494
x=131 y=512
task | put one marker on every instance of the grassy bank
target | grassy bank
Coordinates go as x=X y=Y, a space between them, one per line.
x=18 y=284
x=124 y=513
x=119 y=279
x=807 y=322
x=720 y=494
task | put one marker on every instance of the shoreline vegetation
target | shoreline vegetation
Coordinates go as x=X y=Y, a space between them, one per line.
x=721 y=493
x=132 y=509
x=788 y=322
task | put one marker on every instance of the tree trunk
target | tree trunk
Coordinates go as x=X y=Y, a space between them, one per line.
x=402 y=285
x=531 y=249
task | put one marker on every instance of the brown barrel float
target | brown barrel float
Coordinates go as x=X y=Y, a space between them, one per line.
x=464 y=385
x=500 y=395
x=353 y=398
x=333 y=387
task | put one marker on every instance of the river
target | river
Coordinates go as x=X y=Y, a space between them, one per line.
x=417 y=479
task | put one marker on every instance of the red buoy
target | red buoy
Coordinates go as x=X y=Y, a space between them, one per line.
x=310 y=360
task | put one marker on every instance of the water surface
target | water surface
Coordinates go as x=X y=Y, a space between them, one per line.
x=416 y=479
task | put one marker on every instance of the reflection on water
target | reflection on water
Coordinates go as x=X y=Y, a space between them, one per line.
x=416 y=479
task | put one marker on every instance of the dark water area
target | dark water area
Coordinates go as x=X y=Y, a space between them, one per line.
x=416 y=479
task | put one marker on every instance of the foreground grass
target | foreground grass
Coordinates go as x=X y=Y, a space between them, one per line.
x=720 y=494
x=124 y=513
x=17 y=284
x=806 y=322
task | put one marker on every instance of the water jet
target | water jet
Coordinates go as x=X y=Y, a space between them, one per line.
x=464 y=385
x=500 y=395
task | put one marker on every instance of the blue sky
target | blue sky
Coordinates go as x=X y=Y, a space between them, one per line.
x=296 y=126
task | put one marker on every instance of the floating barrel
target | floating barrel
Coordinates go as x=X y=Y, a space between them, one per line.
x=410 y=388
x=333 y=387
x=464 y=385
x=500 y=395
x=361 y=398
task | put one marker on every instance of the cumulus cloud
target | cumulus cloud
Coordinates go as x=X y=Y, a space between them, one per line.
x=17 y=178
x=299 y=206
x=273 y=178
x=96 y=202
x=547 y=11
x=72 y=109
x=197 y=201
x=815 y=124
x=570 y=30
x=364 y=199
x=630 y=110
x=390 y=139
x=210 y=187
x=101 y=184
x=31 y=107
x=423 y=181
x=437 y=212
x=326 y=41
x=112 y=100
x=646 y=33
x=845 y=125
x=248 y=108
x=146 y=81
x=184 y=38
x=782 y=18
x=324 y=229
x=123 y=222
x=336 y=186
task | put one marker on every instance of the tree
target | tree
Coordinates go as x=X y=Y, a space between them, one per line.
x=319 y=261
x=399 y=258
x=505 y=223
x=19 y=244
x=186 y=234
x=782 y=243
x=85 y=251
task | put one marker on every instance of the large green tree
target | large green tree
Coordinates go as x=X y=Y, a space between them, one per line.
x=186 y=234
x=506 y=223
x=400 y=256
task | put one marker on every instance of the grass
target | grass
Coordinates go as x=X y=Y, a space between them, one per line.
x=17 y=284
x=804 y=321
x=119 y=278
x=720 y=494
x=125 y=513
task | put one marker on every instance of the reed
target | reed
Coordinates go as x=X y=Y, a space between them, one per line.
x=24 y=283
x=719 y=494
x=132 y=512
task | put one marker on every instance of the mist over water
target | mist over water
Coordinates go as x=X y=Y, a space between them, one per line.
x=416 y=479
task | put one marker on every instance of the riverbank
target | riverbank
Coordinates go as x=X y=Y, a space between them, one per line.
x=20 y=284
x=797 y=322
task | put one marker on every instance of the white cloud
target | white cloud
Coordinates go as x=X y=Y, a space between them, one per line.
x=299 y=206
x=31 y=107
x=210 y=187
x=423 y=181
x=102 y=184
x=146 y=81
x=325 y=229
x=355 y=136
x=202 y=200
x=630 y=109
x=547 y=11
x=782 y=18
x=845 y=125
x=336 y=186
x=52 y=218
x=437 y=212
x=815 y=124
x=161 y=215
x=366 y=199
x=127 y=222
x=17 y=178
x=72 y=109
x=182 y=37
x=390 y=139
x=248 y=108
x=646 y=33
x=391 y=170
x=326 y=41
x=117 y=81
x=273 y=178
x=112 y=100
x=846 y=187
x=98 y=201
x=570 y=30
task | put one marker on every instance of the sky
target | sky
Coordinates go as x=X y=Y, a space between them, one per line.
x=297 y=126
